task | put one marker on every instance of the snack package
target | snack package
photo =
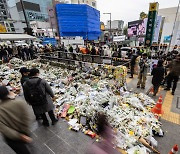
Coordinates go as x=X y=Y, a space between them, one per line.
x=90 y=133
x=65 y=110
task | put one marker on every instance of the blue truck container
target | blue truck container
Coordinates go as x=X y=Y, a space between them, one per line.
x=51 y=41
x=78 y=20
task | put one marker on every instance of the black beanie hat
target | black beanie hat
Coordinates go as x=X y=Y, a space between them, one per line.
x=24 y=70
x=3 y=92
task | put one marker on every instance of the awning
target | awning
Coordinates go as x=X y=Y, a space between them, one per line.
x=16 y=37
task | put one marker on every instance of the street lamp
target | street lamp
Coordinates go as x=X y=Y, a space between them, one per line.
x=110 y=23
x=174 y=26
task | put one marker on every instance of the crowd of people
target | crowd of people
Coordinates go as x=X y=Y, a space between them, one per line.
x=15 y=121
x=24 y=52
x=21 y=52
x=15 y=125
x=5 y=53
x=166 y=70
x=14 y=115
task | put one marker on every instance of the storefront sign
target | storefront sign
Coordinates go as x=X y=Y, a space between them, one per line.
x=36 y=16
x=102 y=27
x=2 y=28
x=167 y=39
x=151 y=23
x=161 y=29
x=119 y=38
x=157 y=28
x=136 y=28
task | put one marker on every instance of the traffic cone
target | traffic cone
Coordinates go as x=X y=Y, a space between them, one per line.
x=174 y=150
x=157 y=109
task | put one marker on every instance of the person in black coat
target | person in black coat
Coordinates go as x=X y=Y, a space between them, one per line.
x=10 y=52
x=25 y=75
x=4 y=53
x=133 y=62
x=1 y=48
x=26 y=50
x=93 y=51
x=31 y=52
x=47 y=106
x=71 y=49
x=22 y=53
x=158 y=76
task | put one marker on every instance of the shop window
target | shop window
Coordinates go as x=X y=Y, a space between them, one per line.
x=11 y=25
x=3 y=12
x=2 y=6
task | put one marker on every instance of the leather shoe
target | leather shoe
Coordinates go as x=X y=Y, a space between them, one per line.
x=46 y=124
x=55 y=121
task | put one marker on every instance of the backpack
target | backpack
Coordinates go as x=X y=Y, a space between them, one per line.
x=35 y=94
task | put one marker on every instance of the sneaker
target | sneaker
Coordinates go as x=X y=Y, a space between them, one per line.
x=131 y=77
x=46 y=124
x=167 y=89
x=138 y=86
x=55 y=121
x=172 y=93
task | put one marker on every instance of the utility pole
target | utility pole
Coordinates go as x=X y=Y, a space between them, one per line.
x=25 y=17
x=174 y=26
x=28 y=29
x=50 y=19
x=110 y=24
x=56 y=21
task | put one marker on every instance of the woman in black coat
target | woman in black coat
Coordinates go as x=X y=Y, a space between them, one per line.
x=158 y=76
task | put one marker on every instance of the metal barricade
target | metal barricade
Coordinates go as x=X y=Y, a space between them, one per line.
x=87 y=58
x=106 y=60
x=79 y=58
x=70 y=55
x=97 y=59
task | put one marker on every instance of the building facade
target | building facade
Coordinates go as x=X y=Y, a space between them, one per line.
x=42 y=29
x=36 y=10
x=39 y=11
x=91 y=3
x=169 y=14
x=116 y=27
x=6 y=25
x=52 y=12
x=3 y=10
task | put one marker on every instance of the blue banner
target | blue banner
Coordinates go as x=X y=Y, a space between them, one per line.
x=49 y=41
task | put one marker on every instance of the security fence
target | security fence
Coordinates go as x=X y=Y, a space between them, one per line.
x=76 y=58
